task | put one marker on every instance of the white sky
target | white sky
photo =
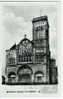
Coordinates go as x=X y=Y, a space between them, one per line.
x=16 y=20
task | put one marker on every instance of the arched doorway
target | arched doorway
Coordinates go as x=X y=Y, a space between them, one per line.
x=12 y=77
x=24 y=74
x=39 y=77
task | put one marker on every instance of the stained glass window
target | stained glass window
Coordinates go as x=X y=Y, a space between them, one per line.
x=25 y=51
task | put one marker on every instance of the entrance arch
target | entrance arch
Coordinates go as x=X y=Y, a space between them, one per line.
x=39 y=77
x=24 y=74
x=11 y=77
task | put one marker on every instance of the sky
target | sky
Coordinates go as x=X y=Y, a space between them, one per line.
x=16 y=21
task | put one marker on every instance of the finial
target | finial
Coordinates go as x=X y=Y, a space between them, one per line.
x=25 y=36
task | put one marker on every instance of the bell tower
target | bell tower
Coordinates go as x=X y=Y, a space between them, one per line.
x=41 y=42
x=40 y=29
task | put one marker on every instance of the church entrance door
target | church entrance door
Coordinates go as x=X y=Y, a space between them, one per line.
x=25 y=74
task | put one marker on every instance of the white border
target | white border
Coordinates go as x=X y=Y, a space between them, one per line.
x=3 y=88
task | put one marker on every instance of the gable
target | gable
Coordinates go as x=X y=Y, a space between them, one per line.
x=25 y=47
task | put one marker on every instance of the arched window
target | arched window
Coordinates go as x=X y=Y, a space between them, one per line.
x=39 y=76
x=11 y=77
x=11 y=60
x=25 y=51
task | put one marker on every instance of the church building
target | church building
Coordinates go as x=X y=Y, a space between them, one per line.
x=29 y=62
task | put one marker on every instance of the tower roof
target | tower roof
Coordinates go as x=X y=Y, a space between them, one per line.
x=41 y=18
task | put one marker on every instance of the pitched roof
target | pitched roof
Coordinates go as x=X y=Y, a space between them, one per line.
x=13 y=47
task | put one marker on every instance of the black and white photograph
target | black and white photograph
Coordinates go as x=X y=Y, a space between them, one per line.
x=29 y=45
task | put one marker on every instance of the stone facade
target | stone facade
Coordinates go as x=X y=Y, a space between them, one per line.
x=30 y=61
